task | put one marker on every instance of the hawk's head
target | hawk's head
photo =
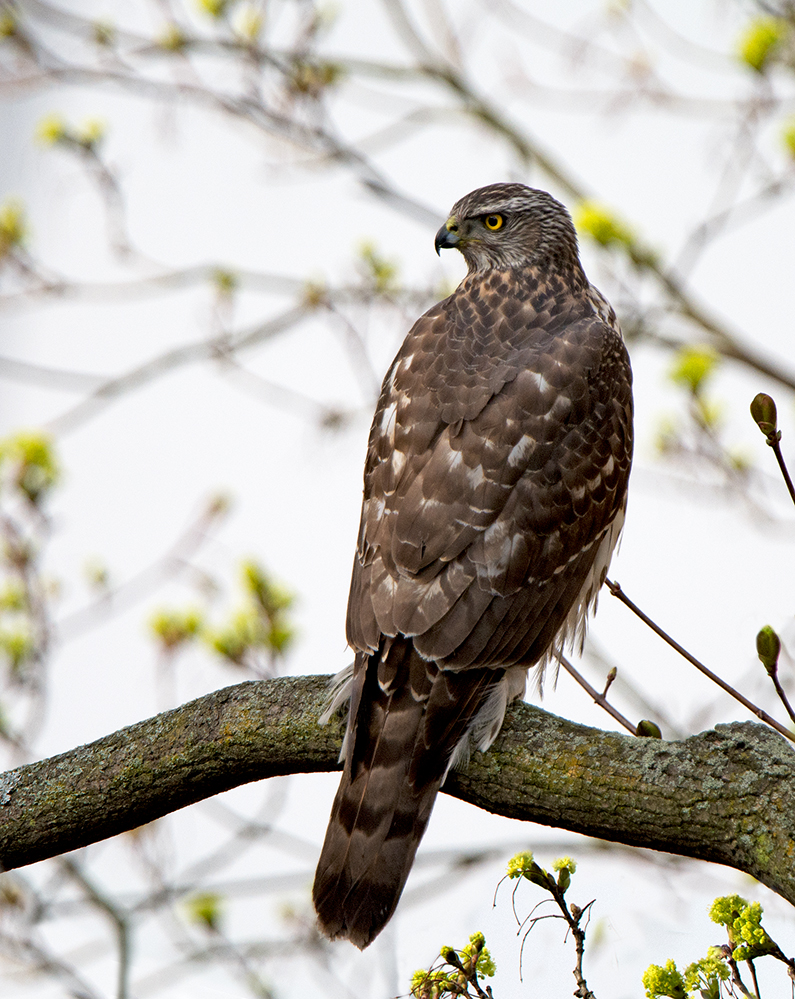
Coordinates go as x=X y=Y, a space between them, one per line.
x=510 y=225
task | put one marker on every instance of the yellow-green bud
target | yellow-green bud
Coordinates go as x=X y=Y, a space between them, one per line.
x=215 y=8
x=91 y=132
x=225 y=281
x=174 y=628
x=602 y=224
x=104 y=33
x=693 y=366
x=788 y=136
x=768 y=647
x=51 y=129
x=382 y=273
x=206 y=909
x=248 y=22
x=564 y=862
x=520 y=863
x=659 y=980
x=13 y=225
x=172 y=39
x=478 y=941
x=725 y=909
x=763 y=411
x=761 y=40
x=30 y=458
x=219 y=504
x=18 y=648
x=13 y=596
x=315 y=294
x=648 y=729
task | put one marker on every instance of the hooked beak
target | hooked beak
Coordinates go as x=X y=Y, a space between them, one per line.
x=445 y=238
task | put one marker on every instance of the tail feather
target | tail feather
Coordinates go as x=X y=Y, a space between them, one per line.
x=395 y=764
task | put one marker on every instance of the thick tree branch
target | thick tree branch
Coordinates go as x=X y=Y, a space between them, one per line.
x=724 y=795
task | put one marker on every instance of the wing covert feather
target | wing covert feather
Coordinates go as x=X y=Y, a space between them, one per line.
x=487 y=475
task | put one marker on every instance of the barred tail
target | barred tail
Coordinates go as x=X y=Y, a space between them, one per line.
x=407 y=718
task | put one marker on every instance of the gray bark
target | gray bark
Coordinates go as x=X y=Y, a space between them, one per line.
x=725 y=795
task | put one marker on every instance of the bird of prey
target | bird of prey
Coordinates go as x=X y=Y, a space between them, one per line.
x=495 y=488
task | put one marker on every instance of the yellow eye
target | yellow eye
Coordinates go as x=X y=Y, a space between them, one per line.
x=493 y=222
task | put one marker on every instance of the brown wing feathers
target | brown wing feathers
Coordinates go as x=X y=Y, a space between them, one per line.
x=494 y=491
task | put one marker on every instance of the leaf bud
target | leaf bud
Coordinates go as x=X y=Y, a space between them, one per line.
x=763 y=410
x=648 y=729
x=768 y=647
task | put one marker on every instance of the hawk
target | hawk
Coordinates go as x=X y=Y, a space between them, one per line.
x=495 y=488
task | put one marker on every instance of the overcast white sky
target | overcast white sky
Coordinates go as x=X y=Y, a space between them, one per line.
x=200 y=190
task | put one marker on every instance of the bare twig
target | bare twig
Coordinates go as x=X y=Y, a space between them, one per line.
x=782 y=696
x=616 y=590
x=754 y=979
x=737 y=981
x=41 y=960
x=117 y=918
x=321 y=141
x=600 y=699
x=776 y=445
x=114 y=388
